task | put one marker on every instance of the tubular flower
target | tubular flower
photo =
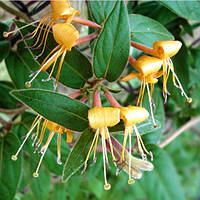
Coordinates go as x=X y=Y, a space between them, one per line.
x=148 y=71
x=38 y=138
x=65 y=35
x=61 y=10
x=165 y=50
x=132 y=115
x=136 y=164
x=100 y=118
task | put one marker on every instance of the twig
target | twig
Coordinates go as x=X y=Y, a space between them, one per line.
x=195 y=42
x=13 y=111
x=186 y=126
x=4 y=123
x=14 y=12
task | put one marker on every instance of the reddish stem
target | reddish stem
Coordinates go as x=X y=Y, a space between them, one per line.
x=75 y=94
x=132 y=60
x=142 y=48
x=86 y=22
x=83 y=99
x=97 y=99
x=112 y=100
x=86 y=38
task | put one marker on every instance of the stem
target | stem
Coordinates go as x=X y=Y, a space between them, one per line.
x=142 y=48
x=83 y=99
x=14 y=12
x=112 y=100
x=86 y=22
x=86 y=39
x=132 y=60
x=186 y=126
x=97 y=99
x=75 y=94
x=13 y=111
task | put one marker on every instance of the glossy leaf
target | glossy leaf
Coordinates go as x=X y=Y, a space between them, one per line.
x=186 y=9
x=78 y=154
x=146 y=30
x=163 y=179
x=4 y=49
x=55 y=107
x=112 y=47
x=9 y=170
x=155 y=8
x=21 y=65
x=99 y=10
x=76 y=68
x=6 y=100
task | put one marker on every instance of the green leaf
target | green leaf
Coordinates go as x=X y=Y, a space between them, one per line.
x=146 y=30
x=76 y=68
x=186 y=9
x=155 y=8
x=50 y=159
x=6 y=100
x=4 y=49
x=55 y=107
x=9 y=170
x=41 y=186
x=163 y=182
x=99 y=10
x=112 y=47
x=78 y=154
x=21 y=64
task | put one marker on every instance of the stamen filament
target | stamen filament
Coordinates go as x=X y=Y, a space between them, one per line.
x=58 y=149
x=150 y=104
x=14 y=157
x=44 y=149
x=131 y=180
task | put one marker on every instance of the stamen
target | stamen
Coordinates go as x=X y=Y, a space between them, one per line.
x=131 y=180
x=170 y=64
x=58 y=149
x=51 y=134
x=150 y=104
x=88 y=155
x=6 y=34
x=14 y=157
x=107 y=186
x=124 y=145
x=104 y=147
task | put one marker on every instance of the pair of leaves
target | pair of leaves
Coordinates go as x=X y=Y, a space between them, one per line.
x=76 y=68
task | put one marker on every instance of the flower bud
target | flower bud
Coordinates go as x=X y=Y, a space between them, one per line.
x=166 y=49
x=147 y=65
x=103 y=117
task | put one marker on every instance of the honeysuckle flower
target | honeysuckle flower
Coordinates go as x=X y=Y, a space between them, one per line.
x=165 y=50
x=100 y=118
x=148 y=71
x=38 y=138
x=65 y=35
x=131 y=164
x=131 y=115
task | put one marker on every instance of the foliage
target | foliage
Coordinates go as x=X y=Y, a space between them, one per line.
x=98 y=66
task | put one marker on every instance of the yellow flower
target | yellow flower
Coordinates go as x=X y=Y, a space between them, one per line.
x=65 y=35
x=148 y=71
x=132 y=115
x=165 y=50
x=38 y=138
x=100 y=118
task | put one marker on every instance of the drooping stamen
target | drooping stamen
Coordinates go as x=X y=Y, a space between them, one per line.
x=102 y=131
x=170 y=64
x=150 y=104
x=141 y=146
x=42 y=134
x=37 y=133
x=58 y=149
x=107 y=186
x=90 y=150
x=43 y=151
x=130 y=180
x=6 y=34
x=14 y=157
x=124 y=144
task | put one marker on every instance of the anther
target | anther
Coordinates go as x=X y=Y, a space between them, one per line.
x=131 y=181
x=28 y=84
x=107 y=186
x=189 y=100
x=35 y=174
x=5 y=34
x=14 y=157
